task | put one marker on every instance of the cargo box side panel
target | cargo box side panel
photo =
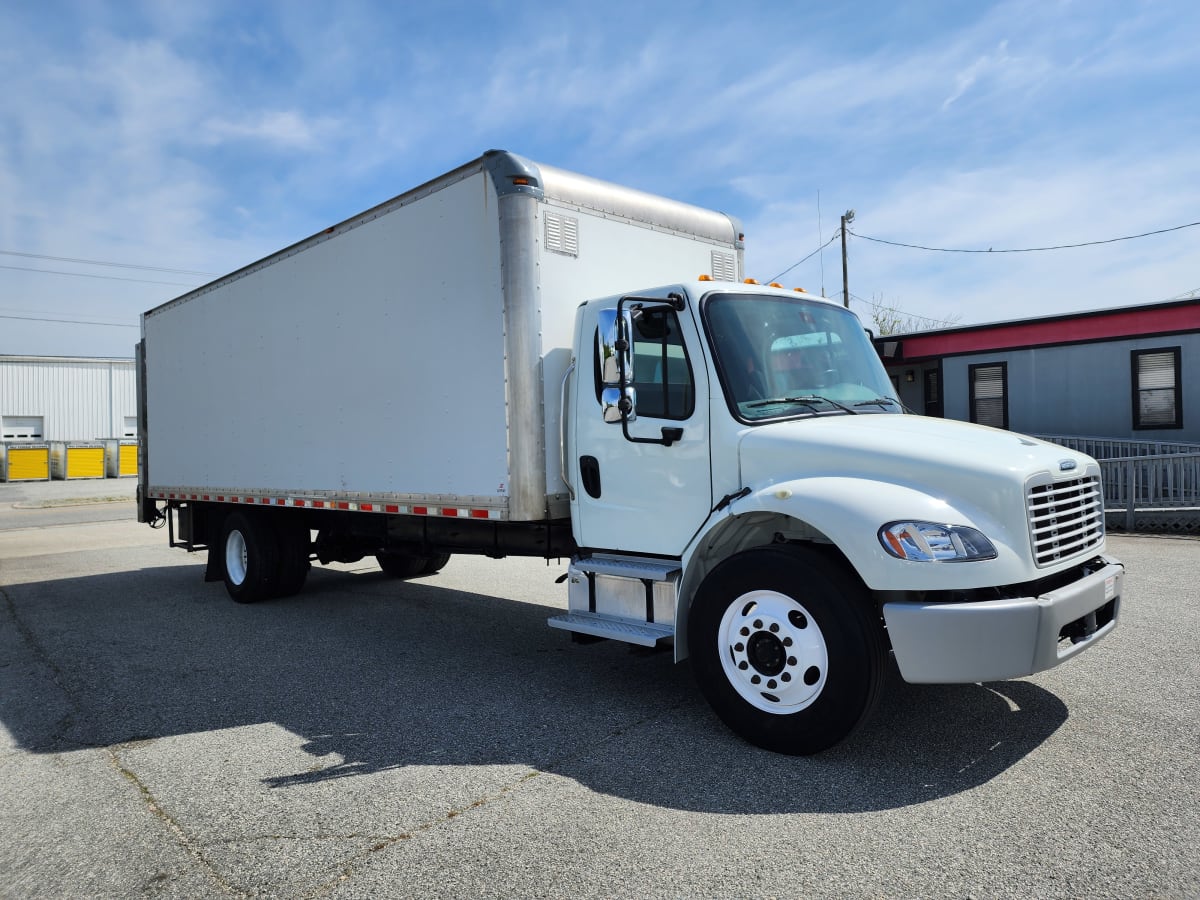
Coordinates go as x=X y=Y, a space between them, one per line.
x=609 y=256
x=370 y=362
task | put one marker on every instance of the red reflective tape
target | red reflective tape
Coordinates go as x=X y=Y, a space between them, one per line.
x=206 y=497
x=279 y=501
x=342 y=504
x=479 y=514
x=318 y=504
x=220 y=499
x=299 y=502
x=421 y=510
x=170 y=496
x=447 y=511
x=390 y=508
x=366 y=507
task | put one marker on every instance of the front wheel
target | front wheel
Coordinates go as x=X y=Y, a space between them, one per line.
x=787 y=649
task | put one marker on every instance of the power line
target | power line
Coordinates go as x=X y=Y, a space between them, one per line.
x=1130 y=237
x=68 y=321
x=102 y=262
x=90 y=275
x=807 y=258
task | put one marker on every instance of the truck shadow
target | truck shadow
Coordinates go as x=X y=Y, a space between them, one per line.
x=374 y=675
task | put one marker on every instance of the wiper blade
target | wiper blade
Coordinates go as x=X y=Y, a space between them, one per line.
x=879 y=401
x=808 y=400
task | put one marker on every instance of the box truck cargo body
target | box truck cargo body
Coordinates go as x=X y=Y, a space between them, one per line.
x=408 y=354
x=517 y=360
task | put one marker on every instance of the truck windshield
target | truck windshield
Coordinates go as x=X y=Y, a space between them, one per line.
x=780 y=357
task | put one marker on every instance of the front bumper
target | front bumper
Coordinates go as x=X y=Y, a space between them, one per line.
x=990 y=640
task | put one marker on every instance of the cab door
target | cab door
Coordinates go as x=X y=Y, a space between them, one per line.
x=644 y=484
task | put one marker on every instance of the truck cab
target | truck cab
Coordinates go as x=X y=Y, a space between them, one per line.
x=744 y=479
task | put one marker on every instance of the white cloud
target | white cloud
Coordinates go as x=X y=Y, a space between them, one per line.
x=281 y=128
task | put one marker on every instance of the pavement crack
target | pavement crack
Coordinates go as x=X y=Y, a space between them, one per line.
x=190 y=847
x=384 y=843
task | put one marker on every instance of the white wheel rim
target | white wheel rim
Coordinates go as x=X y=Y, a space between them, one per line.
x=773 y=652
x=236 y=557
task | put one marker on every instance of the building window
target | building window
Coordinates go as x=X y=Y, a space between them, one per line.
x=989 y=394
x=1157 y=388
x=933 y=393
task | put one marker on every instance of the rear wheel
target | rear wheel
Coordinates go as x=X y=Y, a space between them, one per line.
x=401 y=565
x=405 y=564
x=295 y=544
x=435 y=563
x=787 y=649
x=251 y=555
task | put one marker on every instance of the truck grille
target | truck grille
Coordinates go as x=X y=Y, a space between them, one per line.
x=1065 y=518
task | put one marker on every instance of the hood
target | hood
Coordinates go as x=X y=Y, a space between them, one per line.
x=972 y=467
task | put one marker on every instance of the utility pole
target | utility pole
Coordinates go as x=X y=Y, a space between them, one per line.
x=846 y=220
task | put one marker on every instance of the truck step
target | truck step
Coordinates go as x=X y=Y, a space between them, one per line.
x=645 y=633
x=628 y=568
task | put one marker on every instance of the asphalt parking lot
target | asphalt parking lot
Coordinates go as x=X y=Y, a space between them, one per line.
x=435 y=738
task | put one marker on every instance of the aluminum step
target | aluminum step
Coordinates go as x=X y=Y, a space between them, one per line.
x=645 y=633
x=629 y=568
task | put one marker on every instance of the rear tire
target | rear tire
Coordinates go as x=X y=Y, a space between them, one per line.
x=787 y=649
x=295 y=544
x=401 y=565
x=435 y=563
x=250 y=553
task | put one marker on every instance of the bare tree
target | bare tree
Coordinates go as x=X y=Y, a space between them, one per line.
x=889 y=318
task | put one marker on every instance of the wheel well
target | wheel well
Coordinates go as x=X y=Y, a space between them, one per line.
x=735 y=535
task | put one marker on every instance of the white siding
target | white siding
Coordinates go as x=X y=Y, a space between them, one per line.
x=77 y=399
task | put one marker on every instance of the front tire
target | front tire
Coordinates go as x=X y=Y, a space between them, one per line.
x=787 y=649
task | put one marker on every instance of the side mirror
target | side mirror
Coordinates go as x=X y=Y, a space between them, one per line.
x=614 y=344
x=611 y=404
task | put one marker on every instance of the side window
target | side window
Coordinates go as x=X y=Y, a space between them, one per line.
x=989 y=394
x=662 y=372
x=1157 y=388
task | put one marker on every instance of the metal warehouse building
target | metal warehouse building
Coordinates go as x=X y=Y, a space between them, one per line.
x=59 y=398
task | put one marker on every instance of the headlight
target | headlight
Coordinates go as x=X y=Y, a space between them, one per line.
x=931 y=542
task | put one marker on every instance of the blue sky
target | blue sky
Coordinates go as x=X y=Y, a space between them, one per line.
x=198 y=137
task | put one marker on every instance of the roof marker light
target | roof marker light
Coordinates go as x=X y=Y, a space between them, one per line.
x=749 y=281
x=705 y=278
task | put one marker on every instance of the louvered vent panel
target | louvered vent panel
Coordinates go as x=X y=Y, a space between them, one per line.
x=724 y=266
x=562 y=234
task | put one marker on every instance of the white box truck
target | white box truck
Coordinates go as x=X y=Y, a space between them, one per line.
x=491 y=364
